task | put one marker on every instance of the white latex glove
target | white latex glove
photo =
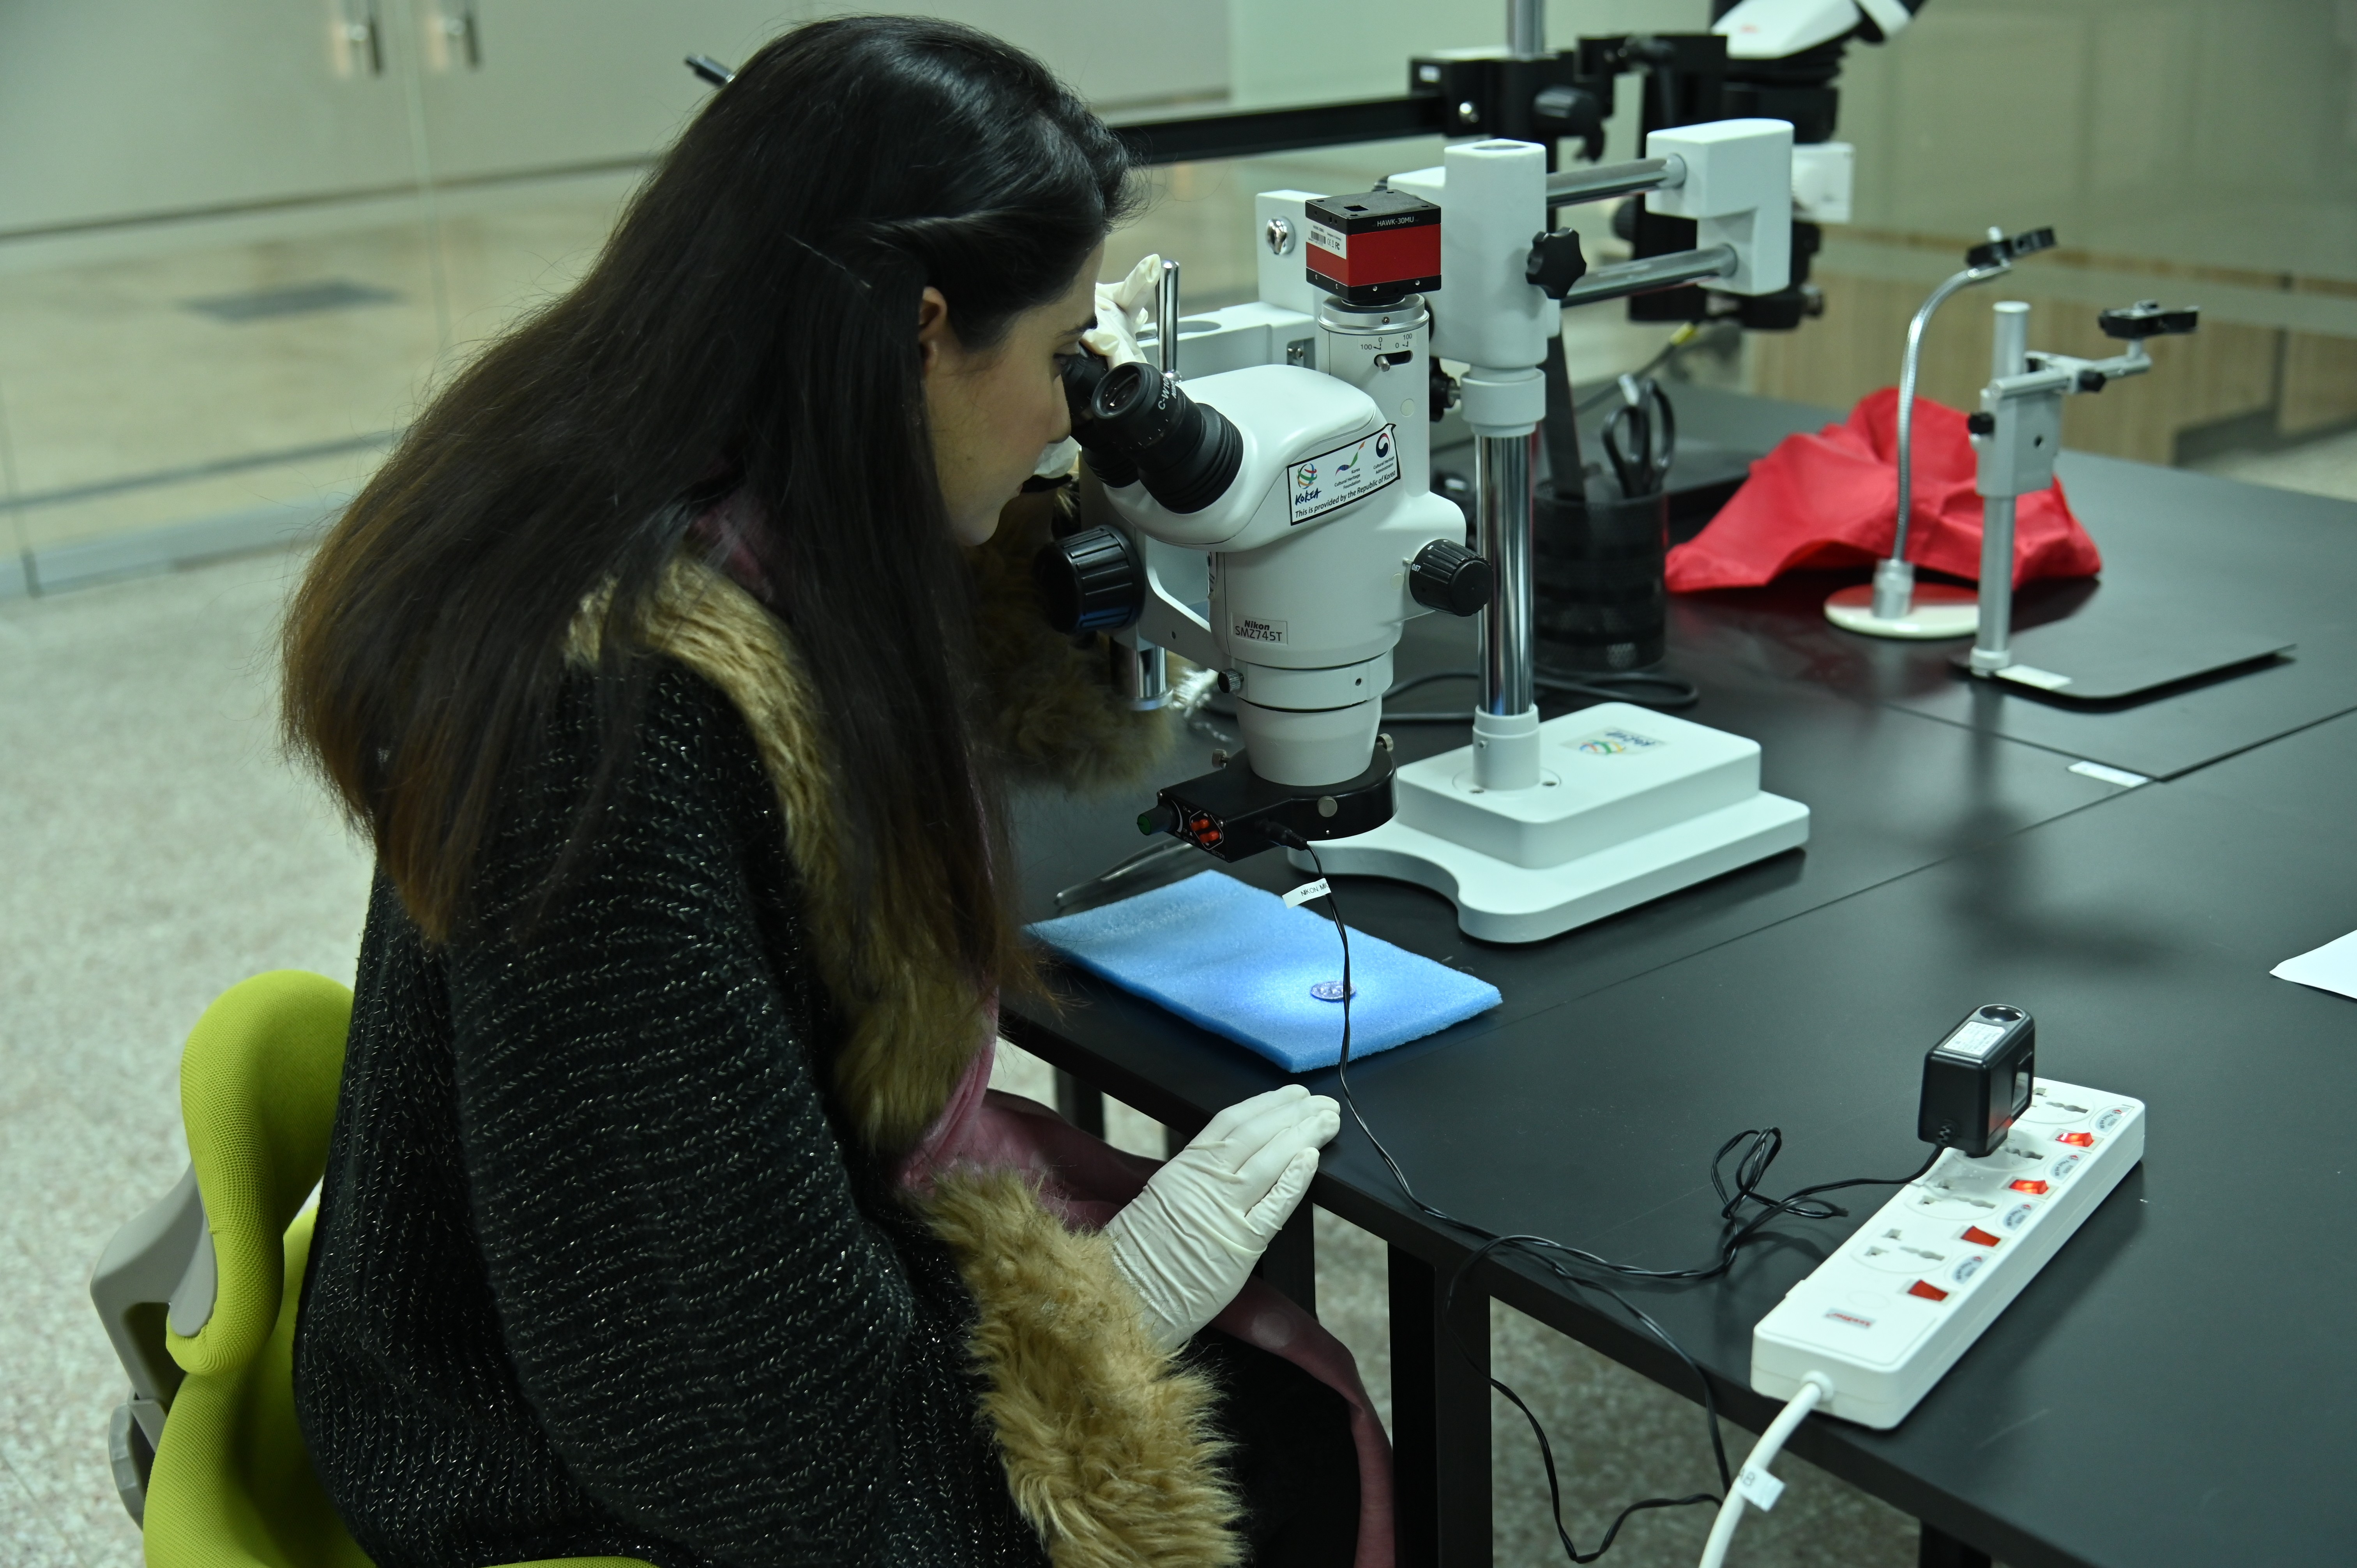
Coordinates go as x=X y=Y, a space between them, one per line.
x=1121 y=311
x=1189 y=1240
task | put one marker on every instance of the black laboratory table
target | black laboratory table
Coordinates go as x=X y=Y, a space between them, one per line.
x=2173 y=1388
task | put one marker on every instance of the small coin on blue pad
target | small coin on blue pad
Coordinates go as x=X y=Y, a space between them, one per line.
x=1330 y=990
x=1235 y=961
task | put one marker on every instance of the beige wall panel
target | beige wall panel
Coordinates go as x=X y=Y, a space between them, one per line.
x=2319 y=376
x=1855 y=347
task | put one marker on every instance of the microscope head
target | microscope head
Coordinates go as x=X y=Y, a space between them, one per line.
x=1219 y=463
x=1290 y=479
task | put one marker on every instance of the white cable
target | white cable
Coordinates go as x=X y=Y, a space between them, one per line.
x=1754 y=1475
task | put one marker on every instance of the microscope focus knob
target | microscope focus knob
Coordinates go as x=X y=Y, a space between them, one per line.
x=1091 y=581
x=1449 y=577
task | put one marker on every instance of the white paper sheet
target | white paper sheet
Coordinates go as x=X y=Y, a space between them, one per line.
x=2332 y=967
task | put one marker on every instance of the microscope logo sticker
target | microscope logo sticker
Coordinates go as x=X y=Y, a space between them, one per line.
x=1332 y=480
x=1613 y=743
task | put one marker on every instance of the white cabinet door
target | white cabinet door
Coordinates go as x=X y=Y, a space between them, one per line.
x=523 y=86
x=121 y=109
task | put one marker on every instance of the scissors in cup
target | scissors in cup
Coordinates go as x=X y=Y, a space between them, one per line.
x=1641 y=436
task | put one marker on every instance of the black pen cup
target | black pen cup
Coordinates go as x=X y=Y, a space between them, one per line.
x=1602 y=603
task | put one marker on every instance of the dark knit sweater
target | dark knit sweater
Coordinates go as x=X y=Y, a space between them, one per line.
x=592 y=1274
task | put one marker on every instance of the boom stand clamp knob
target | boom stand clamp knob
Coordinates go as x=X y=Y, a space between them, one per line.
x=1556 y=263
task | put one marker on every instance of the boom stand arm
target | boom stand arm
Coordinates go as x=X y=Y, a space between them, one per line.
x=2016 y=435
x=1735 y=179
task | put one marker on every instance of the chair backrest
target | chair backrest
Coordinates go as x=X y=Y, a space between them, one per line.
x=258 y=1082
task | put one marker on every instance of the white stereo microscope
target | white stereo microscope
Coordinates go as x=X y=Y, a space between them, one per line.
x=1272 y=520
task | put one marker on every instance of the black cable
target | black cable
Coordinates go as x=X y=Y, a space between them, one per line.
x=1492 y=1242
x=1751 y=1169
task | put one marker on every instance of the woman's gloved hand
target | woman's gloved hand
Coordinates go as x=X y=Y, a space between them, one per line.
x=1189 y=1241
x=1121 y=311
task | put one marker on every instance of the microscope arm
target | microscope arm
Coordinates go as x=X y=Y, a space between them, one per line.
x=1166 y=622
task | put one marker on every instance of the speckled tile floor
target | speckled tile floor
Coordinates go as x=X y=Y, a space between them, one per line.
x=158 y=850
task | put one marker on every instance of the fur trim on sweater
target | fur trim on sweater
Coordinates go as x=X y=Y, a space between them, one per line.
x=1108 y=1444
x=1105 y=1440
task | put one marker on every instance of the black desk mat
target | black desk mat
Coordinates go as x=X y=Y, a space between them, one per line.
x=2171 y=1388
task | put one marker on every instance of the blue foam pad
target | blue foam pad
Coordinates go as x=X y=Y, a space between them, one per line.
x=1236 y=960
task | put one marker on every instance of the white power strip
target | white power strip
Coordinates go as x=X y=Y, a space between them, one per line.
x=1885 y=1317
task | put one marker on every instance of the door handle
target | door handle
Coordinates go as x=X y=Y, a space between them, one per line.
x=362 y=36
x=461 y=35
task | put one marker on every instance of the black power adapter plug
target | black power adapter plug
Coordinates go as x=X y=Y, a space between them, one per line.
x=1977 y=1079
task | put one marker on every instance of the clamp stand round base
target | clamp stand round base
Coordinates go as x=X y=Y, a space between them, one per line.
x=1940 y=610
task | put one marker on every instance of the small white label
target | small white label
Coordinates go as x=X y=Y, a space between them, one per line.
x=1347 y=474
x=1253 y=630
x=1758 y=1488
x=1974 y=1040
x=2030 y=675
x=2119 y=776
x=1331 y=240
x=1613 y=743
x=1306 y=892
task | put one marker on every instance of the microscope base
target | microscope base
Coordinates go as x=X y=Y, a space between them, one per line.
x=1632 y=805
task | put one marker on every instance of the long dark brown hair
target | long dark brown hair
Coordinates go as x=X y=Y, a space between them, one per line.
x=752 y=322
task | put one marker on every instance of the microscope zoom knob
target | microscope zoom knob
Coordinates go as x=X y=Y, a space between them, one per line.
x=1092 y=581
x=1446 y=576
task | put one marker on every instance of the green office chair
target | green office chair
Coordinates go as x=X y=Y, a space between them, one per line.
x=200 y=1294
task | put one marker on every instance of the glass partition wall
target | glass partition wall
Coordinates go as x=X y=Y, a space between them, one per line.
x=240 y=240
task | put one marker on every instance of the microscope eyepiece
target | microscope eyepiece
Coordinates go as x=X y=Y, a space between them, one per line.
x=1137 y=423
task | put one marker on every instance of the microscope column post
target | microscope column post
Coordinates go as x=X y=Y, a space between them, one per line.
x=1166 y=319
x=2008 y=356
x=1498 y=322
x=1503 y=469
x=1144 y=668
x=1525 y=29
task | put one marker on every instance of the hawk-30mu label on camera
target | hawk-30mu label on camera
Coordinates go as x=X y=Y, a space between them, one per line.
x=1347 y=474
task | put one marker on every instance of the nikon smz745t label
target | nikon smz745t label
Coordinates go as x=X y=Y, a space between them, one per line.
x=1347 y=474
x=1252 y=630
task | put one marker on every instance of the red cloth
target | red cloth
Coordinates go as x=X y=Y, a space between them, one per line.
x=1829 y=499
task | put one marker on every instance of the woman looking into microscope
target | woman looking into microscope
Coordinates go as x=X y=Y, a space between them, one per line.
x=677 y=664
